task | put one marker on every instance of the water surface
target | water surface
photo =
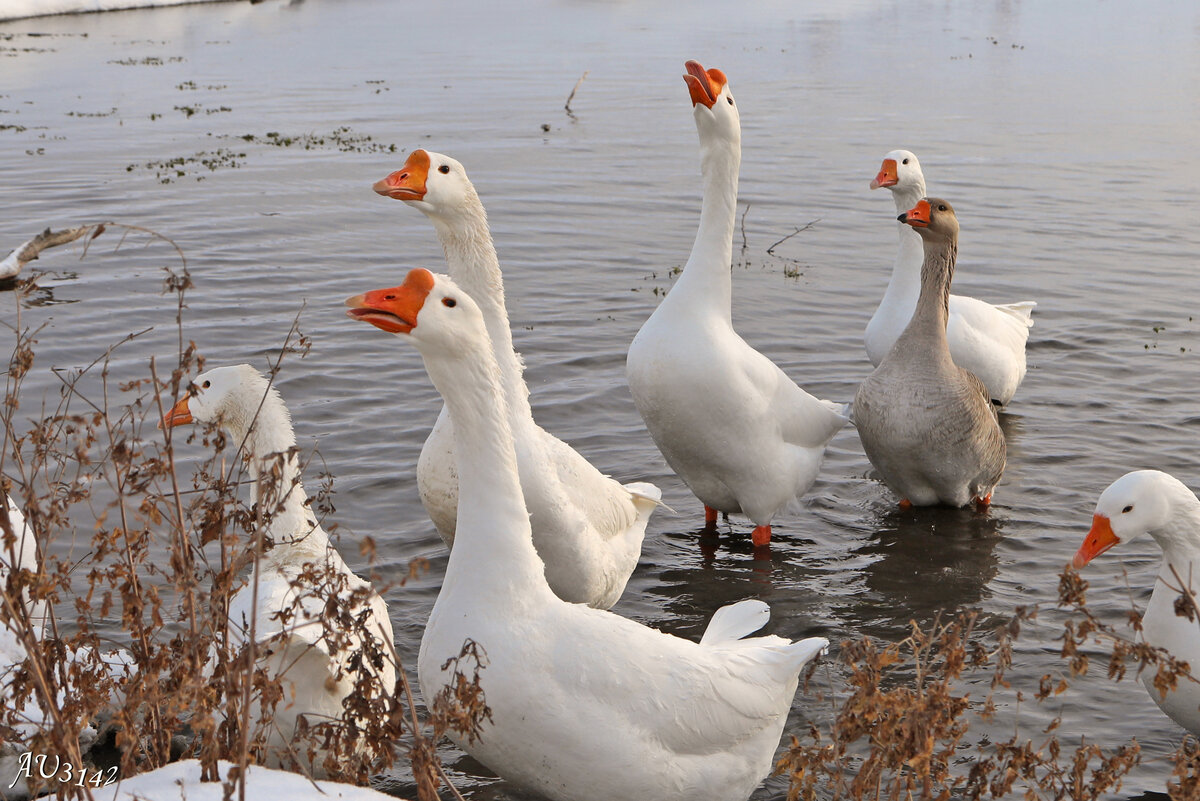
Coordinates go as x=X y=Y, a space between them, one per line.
x=1063 y=133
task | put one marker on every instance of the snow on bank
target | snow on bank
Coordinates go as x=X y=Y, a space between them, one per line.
x=20 y=9
x=180 y=781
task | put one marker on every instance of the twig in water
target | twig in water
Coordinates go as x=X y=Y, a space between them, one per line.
x=28 y=251
x=571 y=96
x=744 y=213
x=807 y=225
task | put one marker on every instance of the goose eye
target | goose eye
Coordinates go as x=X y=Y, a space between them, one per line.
x=730 y=99
x=904 y=162
x=941 y=207
x=444 y=169
x=1127 y=509
x=206 y=384
x=451 y=302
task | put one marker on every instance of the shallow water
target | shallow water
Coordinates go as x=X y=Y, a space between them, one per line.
x=1063 y=133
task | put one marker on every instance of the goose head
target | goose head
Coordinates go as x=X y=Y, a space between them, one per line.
x=434 y=183
x=712 y=103
x=431 y=309
x=932 y=218
x=1142 y=502
x=900 y=172
x=238 y=398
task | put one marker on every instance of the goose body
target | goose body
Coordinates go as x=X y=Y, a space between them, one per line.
x=299 y=571
x=925 y=422
x=1155 y=503
x=986 y=339
x=587 y=528
x=586 y=705
x=739 y=432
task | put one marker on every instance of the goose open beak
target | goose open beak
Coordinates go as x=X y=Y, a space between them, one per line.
x=887 y=175
x=393 y=310
x=918 y=215
x=1098 y=540
x=179 y=414
x=704 y=87
x=408 y=182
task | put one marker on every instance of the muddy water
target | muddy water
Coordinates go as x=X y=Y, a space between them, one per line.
x=1065 y=135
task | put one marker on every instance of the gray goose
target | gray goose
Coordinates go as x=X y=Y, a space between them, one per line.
x=926 y=424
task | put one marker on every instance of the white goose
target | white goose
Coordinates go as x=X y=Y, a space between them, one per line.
x=585 y=705
x=299 y=571
x=19 y=552
x=587 y=528
x=1155 y=503
x=735 y=428
x=988 y=340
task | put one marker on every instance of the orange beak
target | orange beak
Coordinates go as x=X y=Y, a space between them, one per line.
x=1098 y=540
x=918 y=215
x=887 y=175
x=704 y=87
x=393 y=310
x=408 y=182
x=178 y=416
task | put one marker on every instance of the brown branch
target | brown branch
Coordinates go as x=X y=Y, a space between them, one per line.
x=807 y=225
x=571 y=96
x=28 y=251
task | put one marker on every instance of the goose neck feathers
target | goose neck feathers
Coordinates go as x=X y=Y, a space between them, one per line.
x=245 y=405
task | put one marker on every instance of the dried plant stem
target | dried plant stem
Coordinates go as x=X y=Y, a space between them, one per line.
x=805 y=227
x=571 y=96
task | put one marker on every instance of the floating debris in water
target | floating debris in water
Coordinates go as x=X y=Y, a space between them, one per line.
x=168 y=170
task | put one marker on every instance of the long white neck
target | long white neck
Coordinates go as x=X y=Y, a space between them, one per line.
x=493 y=552
x=905 y=283
x=1180 y=538
x=274 y=467
x=474 y=266
x=706 y=282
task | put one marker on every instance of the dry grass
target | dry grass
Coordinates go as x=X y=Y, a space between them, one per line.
x=902 y=727
x=165 y=553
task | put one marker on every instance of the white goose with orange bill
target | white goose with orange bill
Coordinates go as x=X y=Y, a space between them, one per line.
x=585 y=705
x=300 y=588
x=740 y=433
x=587 y=527
x=989 y=340
x=1156 y=503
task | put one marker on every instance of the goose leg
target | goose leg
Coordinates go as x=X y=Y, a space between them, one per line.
x=905 y=503
x=710 y=517
x=761 y=536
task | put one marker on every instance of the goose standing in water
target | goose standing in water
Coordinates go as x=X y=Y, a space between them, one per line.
x=585 y=705
x=1155 y=503
x=740 y=433
x=587 y=527
x=925 y=422
x=300 y=572
x=989 y=340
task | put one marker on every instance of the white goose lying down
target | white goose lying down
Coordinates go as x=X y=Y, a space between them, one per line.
x=985 y=339
x=317 y=667
x=585 y=704
x=739 y=432
x=1155 y=503
x=587 y=528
